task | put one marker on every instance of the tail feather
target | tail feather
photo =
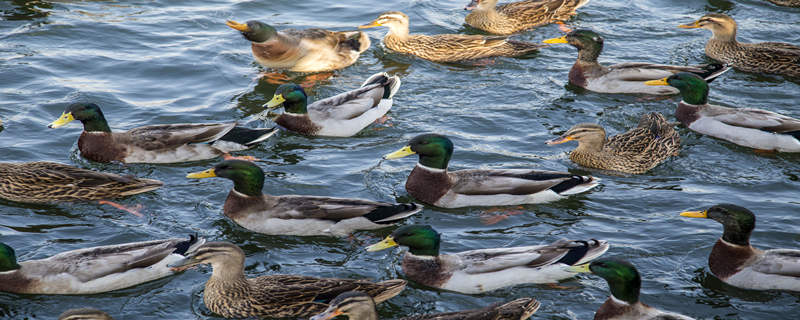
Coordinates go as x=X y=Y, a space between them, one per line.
x=389 y=289
x=714 y=70
x=142 y=185
x=576 y=184
x=391 y=84
x=521 y=308
x=357 y=41
x=587 y=251
x=190 y=245
x=393 y=213
x=247 y=136
x=522 y=47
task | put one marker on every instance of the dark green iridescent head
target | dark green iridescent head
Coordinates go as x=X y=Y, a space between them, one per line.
x=694 y=89
x=247 y=177
x=420 y=239
x=90 y=115
x=257 y=31
x=588 y=43
x=295 y=98
x=623 y=279
x=434 y=150
x=738 y=222
x=8 y=259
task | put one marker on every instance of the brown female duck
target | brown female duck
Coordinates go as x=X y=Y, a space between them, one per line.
x=512 y=17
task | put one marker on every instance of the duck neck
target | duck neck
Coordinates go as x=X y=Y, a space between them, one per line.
x=591 y=144
x=228 y=273
x=249 y=184
x=589 y=52
x=398 y=32
x=435 y=162
x=298 y=107
x=724 y=34
x=97 y=123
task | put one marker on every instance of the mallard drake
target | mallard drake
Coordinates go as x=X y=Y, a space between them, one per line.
x=342 y=115
x=309 y=50
x=734 y=261
x=484 y=270
x=767 y=57
x=624 y=283
x=636 y=151
x=786 y=3
x=511 y=17
x=754 y=128
x=231 y=295
x=161 y=143
x=446 y=47
x=50 y=182
x=84 y=314
x=627 y=77
x=298 y=214
x=360 y=306
x=432 y=183
x=93 y=270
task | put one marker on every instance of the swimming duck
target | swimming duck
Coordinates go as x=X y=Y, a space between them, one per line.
x=734 y=261
x=95 y=269
x=786 y=3
x=50 y=182
x=360 y=306
x=624 y=283
x=511 y=17
x=767 y=57
x=342 y=115
x=636 y=151
x=627 y=77
x=446 y=47
x=484 y=270
x=309 y=50
x=432 y=183
x=298 y=214
x=231 y=295
x=84 y=314
x=162 y=143
x=754 y=128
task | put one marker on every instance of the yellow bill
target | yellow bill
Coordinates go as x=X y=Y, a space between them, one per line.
x=404 y=152
x=238 y=26
x=659 y=82
x=581 y=268
x=276 y=101
x=385 y=244
x=557 y=40
x=65 y=118
x=693 y=25
x=372 y=24
x=559 y=140
x=695 y=214
x=202 y=174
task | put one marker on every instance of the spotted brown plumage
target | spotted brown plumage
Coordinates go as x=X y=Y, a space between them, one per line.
x=512 y=17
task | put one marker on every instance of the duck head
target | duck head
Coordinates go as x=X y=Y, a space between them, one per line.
x=396 y=21
x=291 y=96
x=623 y=279
x=247 y=177
x=737 y=222
x=421 y=240
x=694 y=89
x=588 y=43
x=225 y=258
x=434 y=150
x=588 y=135
x=255 y=31
x=8 y=259
x=353 y=304
x=722 y=26
x=89 y=114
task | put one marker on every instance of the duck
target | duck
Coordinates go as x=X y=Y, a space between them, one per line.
x=84 y=314
x=624 y=282
x=734 y=261
x=636 y=151
x=161 y=143
x=513 y=17
x=308 y=50
x=342 y=115
x=357 y=305
x=484 y=270
x=446 y=47
x=93 y=270
x=298 y=215
x=764 y=57
x=51 y=182
x=230 y=294
x=786 y=3
x=430 y=181
x=627 y=77
x=754 y=128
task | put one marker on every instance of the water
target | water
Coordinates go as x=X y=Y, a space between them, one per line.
x=149 y=62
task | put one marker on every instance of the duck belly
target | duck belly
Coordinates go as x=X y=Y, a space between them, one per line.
x=609 y=84
x=484 y=282
x=746 y=137
x=351 y=127
x=750 y=279
x=184 y=153
x=318 y=59
x=307 y=227
x=455 y=200
x=64 y=283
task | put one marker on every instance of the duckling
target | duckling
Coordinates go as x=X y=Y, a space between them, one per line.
x=298 y=214
x=636 y=151
x=446 y=47
x=309 y=50
x=164 y=143
x=342 y=115
x=229 y=294
x=512 y=17
x=734 y=261
x=627 y=77
x=767 y=57
x=95 y=269
x=754 y=128
x=624 y=283
x=84 y=314
x=483 y=270
x=360 y=306
x=432 y=183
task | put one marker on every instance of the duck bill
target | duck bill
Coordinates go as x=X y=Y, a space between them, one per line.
x=242 y=27
x=693 y=25
x=404 y=152
x=372 y=24
x=330 y=313
x=472 y=5
x=559 y=140
x=202 y=174
x=659 y=82
x=581 y=268
x=556 y=40
x=65 y=118
x=695 y=214
x=276 y=101
x=385 y=244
